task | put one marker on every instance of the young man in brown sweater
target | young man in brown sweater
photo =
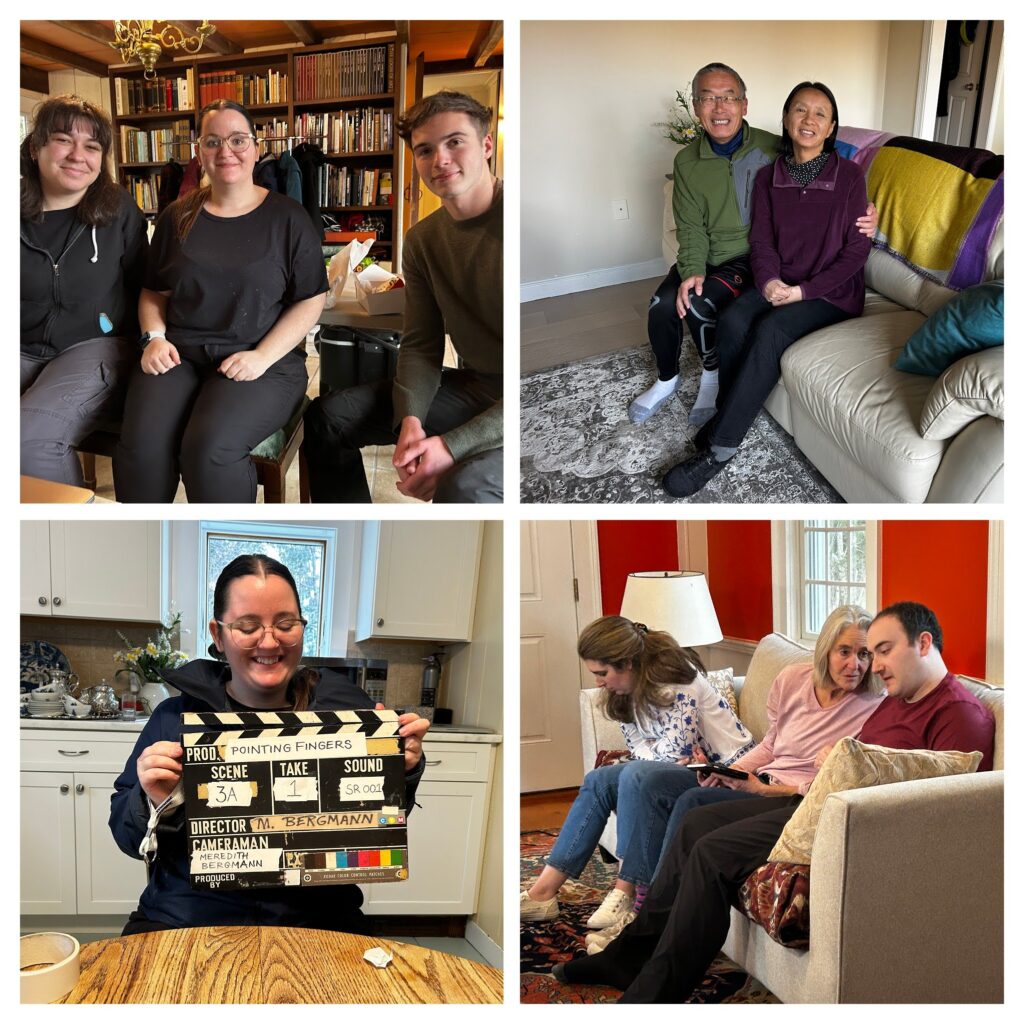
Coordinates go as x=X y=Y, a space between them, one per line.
x=446 y=424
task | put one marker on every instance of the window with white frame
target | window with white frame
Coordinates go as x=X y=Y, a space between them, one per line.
x=307 y=551
x=817 y=565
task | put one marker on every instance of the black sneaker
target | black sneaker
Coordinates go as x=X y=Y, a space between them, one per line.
x=702 y=439
x=691 y=475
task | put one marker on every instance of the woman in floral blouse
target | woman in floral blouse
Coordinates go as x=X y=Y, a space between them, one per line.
x=670 y=716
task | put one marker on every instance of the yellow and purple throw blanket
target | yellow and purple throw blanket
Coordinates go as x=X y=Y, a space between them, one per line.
x=938 y=206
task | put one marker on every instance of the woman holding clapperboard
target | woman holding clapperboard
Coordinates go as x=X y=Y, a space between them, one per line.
x=257 y=630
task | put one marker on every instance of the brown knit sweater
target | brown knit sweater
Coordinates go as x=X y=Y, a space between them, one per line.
x=453 y=281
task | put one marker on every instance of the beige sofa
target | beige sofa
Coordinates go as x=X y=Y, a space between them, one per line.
x=906 y=898
x=877 y=433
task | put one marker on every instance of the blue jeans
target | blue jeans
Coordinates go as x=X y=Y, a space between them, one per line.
x=699 y=797
x=643 y=794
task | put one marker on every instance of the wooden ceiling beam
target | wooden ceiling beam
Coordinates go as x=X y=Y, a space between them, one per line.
x=486 y=42
x=94 y=30
x=450 y=67
x=35 y=79
x=47 y=51
x=217 y=42
x=304 y=32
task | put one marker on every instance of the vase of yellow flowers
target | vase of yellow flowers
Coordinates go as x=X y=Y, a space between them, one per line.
x=147 y=662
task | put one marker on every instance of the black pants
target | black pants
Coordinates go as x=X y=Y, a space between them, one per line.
x=342 y=422
x=722 y=284
x=752 y=336
x=194 y=424
x=663 y=955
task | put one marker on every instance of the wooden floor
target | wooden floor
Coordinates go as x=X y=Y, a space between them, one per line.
x=566 y=328
x=545 y=810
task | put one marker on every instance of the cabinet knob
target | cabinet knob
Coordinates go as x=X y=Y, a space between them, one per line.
x=80 y=788
x=42 y=600
x=65 y=788
x=380 y=622
x=56 y=601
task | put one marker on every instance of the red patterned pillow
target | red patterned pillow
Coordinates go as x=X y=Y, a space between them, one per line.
x=605 y=757
x=776 y=896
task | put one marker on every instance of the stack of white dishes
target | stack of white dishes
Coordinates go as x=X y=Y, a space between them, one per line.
x=44 y=705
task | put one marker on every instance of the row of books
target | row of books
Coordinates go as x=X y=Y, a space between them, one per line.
x=139 y=96
x=247 y=88
x=276 y=131
x=144 y=189
x=367 y=71
x=354 y=186
x=157 y=145
x=367 y=130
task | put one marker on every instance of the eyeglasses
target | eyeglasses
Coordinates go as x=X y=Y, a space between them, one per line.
x=710 y=101
x=248 y=633
x=238 y=142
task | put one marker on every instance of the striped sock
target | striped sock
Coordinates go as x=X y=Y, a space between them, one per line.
x=641 y=895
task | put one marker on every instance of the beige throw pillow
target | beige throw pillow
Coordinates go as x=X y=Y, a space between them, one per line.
x=855 y=765
x=721 y=682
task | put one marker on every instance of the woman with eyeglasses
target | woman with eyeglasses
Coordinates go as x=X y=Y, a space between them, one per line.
x=83 y=250
x=234 y=282
x=257 y=631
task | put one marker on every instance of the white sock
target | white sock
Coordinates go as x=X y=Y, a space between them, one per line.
x=656 y=392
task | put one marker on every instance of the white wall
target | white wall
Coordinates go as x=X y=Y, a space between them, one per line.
x=591 y=92
x=901 y=77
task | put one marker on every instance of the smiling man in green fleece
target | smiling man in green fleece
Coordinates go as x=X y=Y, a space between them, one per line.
x=446 y=424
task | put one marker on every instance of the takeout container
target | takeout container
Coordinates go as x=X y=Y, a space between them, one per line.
x=385 y=302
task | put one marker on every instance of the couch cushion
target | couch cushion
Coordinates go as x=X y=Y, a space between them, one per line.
x=992 y=697
x=771 y=656
x=844 y=377
x=971 y=321
x=776 y=896
x=896 y=281
x=972 y=387
x=855 y=765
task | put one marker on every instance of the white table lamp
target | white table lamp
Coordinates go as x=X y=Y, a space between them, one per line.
x=677 y=602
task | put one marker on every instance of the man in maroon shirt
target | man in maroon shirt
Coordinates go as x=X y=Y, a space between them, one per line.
x=663 y=955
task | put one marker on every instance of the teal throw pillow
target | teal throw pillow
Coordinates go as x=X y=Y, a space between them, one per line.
x=970 y=322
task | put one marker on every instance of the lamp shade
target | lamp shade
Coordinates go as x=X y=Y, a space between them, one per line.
x=677 y=602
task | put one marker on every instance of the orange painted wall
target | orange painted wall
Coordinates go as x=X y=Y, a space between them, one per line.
x=740 y=576
x=943 y=564
x=632 y=546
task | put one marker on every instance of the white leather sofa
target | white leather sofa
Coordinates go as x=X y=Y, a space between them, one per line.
x=879 y=434
x=906 y=897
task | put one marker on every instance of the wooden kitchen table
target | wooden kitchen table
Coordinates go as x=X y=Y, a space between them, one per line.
x=273 y=965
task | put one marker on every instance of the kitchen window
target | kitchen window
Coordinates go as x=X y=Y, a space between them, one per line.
x=308 y=551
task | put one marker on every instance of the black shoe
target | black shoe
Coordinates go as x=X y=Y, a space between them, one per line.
x=702 y=439
x=558 y=973
x=691 y=475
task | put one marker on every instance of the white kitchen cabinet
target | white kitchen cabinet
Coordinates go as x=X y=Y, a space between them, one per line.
x=70 y=863
x=92 y=569
x=417 y=580
x=446 y=835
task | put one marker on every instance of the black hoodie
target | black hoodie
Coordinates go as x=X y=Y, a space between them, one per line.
x=168 y=896
x=71 y=296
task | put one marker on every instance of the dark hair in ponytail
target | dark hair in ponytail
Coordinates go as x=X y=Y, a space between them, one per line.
x=656 y=659
x=302 y=684
x=187 y=209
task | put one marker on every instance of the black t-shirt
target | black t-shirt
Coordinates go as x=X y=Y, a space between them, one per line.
x=53 y=230
x=234 y=276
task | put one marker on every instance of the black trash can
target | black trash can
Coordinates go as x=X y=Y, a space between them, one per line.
x=351 y=356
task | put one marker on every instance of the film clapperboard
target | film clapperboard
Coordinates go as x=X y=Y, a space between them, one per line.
x=294 y=798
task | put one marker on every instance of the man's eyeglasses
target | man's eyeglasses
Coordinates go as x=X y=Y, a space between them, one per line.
x=248 y=633
x=710 y=101
x=237 y=143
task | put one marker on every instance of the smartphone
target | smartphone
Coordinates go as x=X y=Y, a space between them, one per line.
x=721 y=769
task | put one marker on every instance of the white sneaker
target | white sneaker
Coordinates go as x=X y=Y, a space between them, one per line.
x=614 y=906
x=598 y=941
x=537 y=910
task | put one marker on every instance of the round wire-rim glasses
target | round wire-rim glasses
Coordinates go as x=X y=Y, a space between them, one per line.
x=287 y=632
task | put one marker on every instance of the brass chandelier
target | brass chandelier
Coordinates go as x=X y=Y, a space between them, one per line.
x=141 y=41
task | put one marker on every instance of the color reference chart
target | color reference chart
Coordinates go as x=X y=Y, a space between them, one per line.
x=294 y=798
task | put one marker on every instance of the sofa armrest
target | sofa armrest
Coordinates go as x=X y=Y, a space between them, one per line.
x=972 y=387
x=972 y=466
x=907 y=891
x=597 y=731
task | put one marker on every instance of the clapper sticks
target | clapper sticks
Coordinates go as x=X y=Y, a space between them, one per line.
x=294 y=798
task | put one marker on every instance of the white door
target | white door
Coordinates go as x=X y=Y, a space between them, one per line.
x=550 y=673
x=48 y=843
x=109 y=881
x=35 y=568
x=106 y=570
x=964 y=93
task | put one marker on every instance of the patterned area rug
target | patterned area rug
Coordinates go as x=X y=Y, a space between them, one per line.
x=577 y=444
x=545 y=943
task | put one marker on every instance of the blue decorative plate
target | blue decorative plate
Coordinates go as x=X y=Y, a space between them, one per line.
x=38 y=660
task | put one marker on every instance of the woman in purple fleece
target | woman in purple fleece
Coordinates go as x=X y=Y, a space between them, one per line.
x=808 y=260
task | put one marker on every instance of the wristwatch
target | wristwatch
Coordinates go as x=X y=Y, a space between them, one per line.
x=149 y=336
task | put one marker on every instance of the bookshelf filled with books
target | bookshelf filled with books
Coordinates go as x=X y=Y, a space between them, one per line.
x=339 y=97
